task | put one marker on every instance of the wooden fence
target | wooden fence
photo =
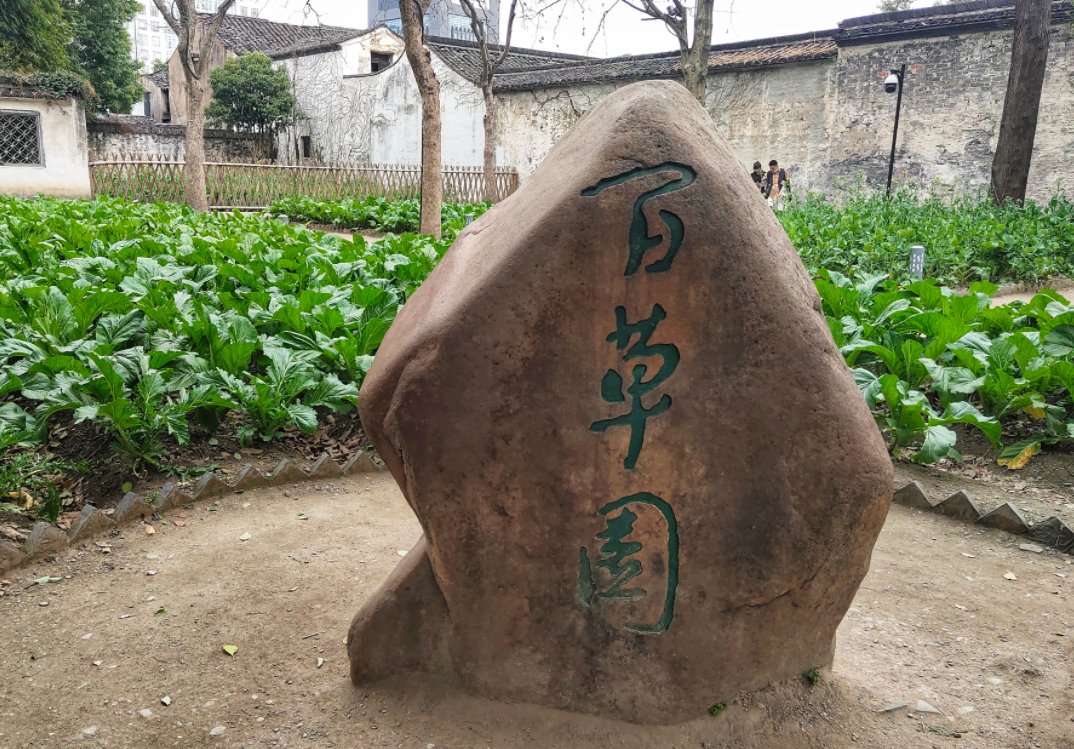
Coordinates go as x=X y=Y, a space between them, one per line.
x=256 y=186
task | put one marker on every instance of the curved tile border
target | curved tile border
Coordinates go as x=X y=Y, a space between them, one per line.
x=48 y=540
x=962 y=506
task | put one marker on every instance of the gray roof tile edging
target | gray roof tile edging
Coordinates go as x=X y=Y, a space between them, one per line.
x=1058 y=537
x=46 y=534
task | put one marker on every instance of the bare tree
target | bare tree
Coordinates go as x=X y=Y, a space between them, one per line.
x=490 y=62
x=412 y=13
x=196 y=40
x=693 y=55
x=1018 y=128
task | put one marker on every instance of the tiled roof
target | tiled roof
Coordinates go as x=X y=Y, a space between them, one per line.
x=159 y=79
x=242 y=34
x=464 y=57
x=937 y=21
x=761 y=53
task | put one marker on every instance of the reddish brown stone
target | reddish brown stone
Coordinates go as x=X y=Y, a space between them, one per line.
x=749 y=508
x=400 y=628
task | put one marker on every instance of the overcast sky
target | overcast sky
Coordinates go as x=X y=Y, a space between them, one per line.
x=624 y=31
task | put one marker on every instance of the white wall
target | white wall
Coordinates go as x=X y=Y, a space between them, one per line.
x=65 y=172
x=376 y=118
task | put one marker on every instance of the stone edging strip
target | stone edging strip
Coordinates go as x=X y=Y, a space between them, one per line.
x=48 y=540
x=962 y=506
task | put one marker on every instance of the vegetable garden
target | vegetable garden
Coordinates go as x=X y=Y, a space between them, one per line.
x=147 y=319
x=156 y=326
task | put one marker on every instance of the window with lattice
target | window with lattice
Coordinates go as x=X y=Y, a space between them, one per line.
x=20 y=139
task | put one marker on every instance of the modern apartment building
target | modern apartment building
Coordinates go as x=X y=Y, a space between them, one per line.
x=445 y=18
x=151 y=37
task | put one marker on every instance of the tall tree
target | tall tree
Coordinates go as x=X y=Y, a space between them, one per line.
x=100 y=50
x=491 y=60
x=412 y=13
x=1018 y=128
x=693 y=54
x=196 y=40
x=33 y=36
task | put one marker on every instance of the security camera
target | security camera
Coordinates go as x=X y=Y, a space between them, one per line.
x=891 y=83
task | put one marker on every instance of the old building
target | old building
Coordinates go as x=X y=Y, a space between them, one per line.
x=816 y=102
x=357 y=51
x=42 y=143
x=375 y=117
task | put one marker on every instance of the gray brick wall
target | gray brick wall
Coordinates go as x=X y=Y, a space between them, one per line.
x=830 y=120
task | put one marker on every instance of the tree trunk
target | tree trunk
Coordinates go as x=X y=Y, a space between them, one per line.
x=194 y=169
x=695 y=58
x=1018 y=128
x=432 y=180
x=492 y=192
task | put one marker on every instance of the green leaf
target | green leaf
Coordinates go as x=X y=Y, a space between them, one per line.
x=939 y=440
x=304 y=417
x=1059 y=341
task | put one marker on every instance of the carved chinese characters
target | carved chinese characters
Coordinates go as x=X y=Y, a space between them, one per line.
x=630 y=440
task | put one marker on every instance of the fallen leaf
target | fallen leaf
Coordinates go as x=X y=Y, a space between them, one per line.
x=180 y=524
x=1021 y=459
x=127 y=486
x=245 y=537
x=401 y=552
x=1009 y=576
x=230 y=649
x=214 y=441
x=160 y=612
x=150 y=530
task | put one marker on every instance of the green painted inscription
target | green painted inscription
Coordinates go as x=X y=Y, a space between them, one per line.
x=640 y=241
x=611 y=386
x=618 y=557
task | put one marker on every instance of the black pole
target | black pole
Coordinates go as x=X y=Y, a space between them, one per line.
x=895 y=132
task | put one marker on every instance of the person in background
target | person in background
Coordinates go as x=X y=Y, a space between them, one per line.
x=774 y=183
x=758 y=176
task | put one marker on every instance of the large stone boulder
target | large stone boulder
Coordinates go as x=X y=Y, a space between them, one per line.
x=646 y=478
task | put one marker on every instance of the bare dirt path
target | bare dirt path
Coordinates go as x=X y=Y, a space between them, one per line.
x=935 y=620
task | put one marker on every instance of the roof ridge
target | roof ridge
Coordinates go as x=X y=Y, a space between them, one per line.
x=447 y=41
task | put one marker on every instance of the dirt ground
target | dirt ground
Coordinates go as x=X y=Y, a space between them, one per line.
x=89 y=659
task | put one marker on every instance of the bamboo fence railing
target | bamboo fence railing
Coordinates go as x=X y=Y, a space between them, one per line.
x=251 y=186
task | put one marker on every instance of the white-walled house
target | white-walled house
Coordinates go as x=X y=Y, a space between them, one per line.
x=43 y=146
x=355 y=116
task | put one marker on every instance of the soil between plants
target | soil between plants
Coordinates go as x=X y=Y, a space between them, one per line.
x=935 y=620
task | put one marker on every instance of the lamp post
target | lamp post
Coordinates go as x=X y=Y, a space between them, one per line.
x=893 y=84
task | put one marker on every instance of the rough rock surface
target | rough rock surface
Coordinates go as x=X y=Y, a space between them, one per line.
x=646 y=478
